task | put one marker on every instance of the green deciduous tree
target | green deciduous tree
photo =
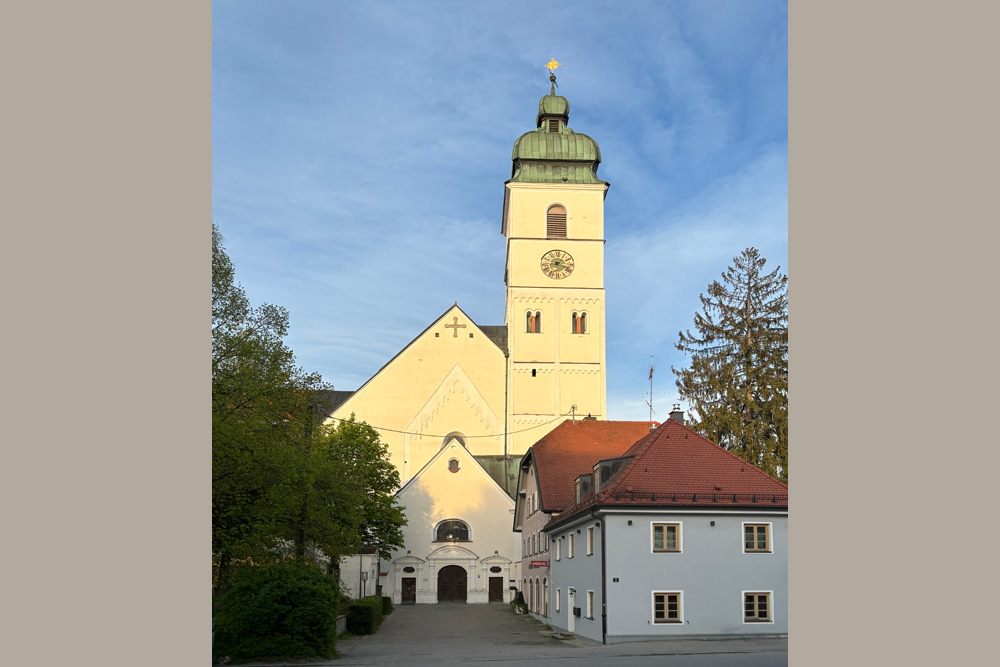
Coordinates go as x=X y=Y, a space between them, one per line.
x=343 y=494
x=282 y=482
x=737 y=382
x=366 y=461
x=258 y=397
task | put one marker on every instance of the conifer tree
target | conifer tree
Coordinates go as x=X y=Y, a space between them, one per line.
x=737 y=382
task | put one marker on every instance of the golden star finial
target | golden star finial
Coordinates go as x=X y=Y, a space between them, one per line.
x=553 y=64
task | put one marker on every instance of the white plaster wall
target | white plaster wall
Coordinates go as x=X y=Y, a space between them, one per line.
x=470 y=495
x=711 y=572
x=351 y=569
x=582 y=573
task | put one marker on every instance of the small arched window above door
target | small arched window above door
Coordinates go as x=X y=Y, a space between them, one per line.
x=555 y=222
x=452 y=530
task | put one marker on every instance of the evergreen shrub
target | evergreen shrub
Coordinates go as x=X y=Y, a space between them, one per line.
x=286 y=609
x=386 y=605
x=364 y=615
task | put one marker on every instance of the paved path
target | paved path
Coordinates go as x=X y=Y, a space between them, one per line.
x=460 y=634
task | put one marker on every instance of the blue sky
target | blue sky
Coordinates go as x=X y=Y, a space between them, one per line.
x=359 y=152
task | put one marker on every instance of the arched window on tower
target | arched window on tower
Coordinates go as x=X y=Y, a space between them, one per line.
x=579 y=323
x=452 y=530
x=533 y=322
x=555 y=222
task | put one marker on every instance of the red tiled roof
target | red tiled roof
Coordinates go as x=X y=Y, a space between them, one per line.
x=572 y=448
x=674 y=466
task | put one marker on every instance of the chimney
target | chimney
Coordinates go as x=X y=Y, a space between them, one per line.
x=677 y=414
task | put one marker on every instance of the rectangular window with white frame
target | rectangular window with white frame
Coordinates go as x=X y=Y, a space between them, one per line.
x=590 y=605
x=571 y=544
x=590 y=541
x=559 y=549
x=667 y=607
x=666 y=537
x=757 y=607
x=757 y=538
x=558 y=599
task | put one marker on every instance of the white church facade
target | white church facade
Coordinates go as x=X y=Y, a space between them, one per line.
x=461 y=404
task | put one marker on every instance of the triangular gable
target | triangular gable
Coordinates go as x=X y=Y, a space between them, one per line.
x=465 y=459
x=457 y=380
x=448 y=313
x=522 y=494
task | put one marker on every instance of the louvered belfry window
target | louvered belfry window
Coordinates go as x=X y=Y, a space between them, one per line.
x=553 y=126
x=555 y=222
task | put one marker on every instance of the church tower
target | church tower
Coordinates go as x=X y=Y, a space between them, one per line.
x=553 y=219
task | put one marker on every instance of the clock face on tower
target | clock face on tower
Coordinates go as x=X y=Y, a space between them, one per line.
x=557 y=264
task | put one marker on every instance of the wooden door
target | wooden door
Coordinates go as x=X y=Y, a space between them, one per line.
x=570 y=616
x=496 y=589
x=409 y=593
x=452 y=584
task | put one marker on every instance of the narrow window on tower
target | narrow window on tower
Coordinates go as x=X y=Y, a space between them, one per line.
x=579 y=323
x=555 y=222
x=553 y=126
x=533 y=322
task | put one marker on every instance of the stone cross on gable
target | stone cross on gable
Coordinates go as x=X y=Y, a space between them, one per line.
x=455 y=327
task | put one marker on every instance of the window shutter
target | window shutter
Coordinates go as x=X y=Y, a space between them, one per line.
x=553 y=126
x=555 y=222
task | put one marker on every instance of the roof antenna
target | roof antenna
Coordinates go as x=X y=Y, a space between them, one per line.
x=650 y=401
x=572 y=410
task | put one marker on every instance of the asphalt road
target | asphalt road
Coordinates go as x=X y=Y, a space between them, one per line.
x=460 y=634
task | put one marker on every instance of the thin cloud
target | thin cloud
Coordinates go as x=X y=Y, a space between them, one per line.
x=360 y=150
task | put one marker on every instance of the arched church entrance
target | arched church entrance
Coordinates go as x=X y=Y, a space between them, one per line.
x=452 y=584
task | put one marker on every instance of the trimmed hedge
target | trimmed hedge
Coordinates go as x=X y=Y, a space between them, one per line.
x=281 y=610
x=386 y=605
x=364 y=615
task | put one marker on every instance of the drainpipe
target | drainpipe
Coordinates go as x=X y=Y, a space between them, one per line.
x=506 y=412
x=604 y=580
